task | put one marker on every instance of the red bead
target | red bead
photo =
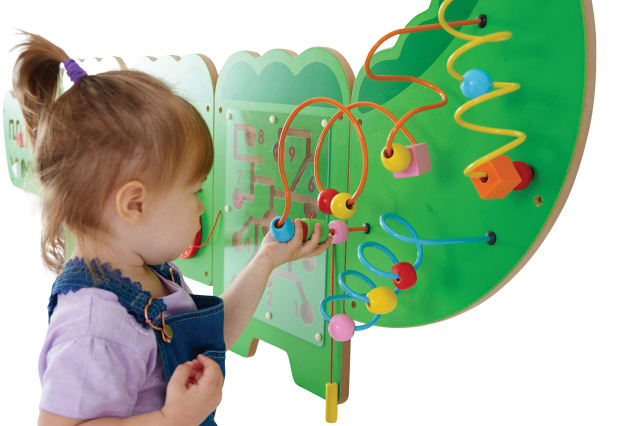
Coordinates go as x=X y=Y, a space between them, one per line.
x=304 y=230
x=525 y=172
x=407 y=276
x=192 y=250
x=324 y=200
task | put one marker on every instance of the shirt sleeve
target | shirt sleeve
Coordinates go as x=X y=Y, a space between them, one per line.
x=90 y=377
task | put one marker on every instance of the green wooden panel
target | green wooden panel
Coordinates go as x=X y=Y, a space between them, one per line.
x=254 y=97
x=547 y=56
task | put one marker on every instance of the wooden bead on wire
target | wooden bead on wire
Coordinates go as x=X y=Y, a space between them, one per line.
x=339 y=206
x=285 y=232
x=399 y=160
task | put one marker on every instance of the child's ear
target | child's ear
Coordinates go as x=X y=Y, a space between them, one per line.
x=131 y=198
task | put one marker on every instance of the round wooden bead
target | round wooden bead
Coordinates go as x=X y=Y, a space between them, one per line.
x=285 y=232
x=324 y=199
x=476 y=82
x=341 y=327
x=339 y=206
x=382 y=300
x=525 y=172
x=340 y=231
x=399 y=160
x=407 y=276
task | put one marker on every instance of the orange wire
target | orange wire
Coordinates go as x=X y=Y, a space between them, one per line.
x=210 y=233
x=285 y=129
x=346 y=110
x=416 y=110
x=316 y=159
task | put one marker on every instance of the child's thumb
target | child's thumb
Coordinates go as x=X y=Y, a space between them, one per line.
x=181 y=373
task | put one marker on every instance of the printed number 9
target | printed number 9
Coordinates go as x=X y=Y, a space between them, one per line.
x=292 y=153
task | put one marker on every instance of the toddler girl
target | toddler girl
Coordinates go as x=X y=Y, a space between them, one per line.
x=120 y=159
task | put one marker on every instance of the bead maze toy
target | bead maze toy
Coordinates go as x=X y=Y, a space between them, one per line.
x=438 y=225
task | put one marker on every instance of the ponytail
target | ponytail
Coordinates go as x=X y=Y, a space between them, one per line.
x=36 y=76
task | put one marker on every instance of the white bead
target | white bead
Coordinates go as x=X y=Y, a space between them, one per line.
x=268 y=315
x=324 y=123
x=272 y=119
x=228 y=116
x=318 y=337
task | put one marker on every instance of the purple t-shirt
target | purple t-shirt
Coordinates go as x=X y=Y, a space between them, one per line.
x=98 y=361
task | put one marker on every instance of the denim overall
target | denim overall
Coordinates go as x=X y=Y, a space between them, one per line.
x=195 y=332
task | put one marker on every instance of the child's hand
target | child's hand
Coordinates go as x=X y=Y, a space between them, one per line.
x=278 y=253
x=193 y=392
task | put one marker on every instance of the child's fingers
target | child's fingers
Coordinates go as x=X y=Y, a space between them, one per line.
x=212 y=371
x=297 y=236
x=322 y=247
x=311 y=246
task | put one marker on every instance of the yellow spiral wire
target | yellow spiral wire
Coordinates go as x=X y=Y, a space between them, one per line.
x=503 y=88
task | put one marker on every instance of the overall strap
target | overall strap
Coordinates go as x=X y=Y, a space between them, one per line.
x=75 y=275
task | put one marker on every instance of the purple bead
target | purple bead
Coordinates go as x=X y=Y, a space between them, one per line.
x=341 y=327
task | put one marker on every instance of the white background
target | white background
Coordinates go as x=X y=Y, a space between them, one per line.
x=558 y=345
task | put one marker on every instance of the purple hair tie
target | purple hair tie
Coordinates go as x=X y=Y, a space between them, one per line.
x=74 y=70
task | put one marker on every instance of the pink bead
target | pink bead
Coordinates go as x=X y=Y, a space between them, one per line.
x=340 y=231
x=341 y=327
x=420 y=161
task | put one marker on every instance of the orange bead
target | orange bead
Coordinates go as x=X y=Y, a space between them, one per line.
x=502 y=178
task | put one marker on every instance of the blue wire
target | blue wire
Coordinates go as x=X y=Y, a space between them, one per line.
x=372 y=268
x=348 y=290
x=328 y=299
x=416 y=240
x=327 y=318
x=423 y=242
x=367 y=325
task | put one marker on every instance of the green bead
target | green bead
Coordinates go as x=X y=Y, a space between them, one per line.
x=324 y=229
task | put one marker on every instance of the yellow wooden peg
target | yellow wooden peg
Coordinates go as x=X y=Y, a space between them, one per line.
x=331 y=397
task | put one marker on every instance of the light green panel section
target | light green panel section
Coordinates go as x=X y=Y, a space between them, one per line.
x=20 y=163
x=250 y=91
x=254 y=193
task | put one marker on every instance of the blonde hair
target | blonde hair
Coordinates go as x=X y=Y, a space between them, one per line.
x=103 y=131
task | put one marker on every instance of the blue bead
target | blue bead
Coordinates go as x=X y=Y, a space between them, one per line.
x=476 y=82
x=284 y=233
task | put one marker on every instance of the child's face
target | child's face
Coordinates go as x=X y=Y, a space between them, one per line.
x=173 y=222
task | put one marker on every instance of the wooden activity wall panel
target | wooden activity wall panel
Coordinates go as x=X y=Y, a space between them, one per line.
x=490 y=168
x=254 y=97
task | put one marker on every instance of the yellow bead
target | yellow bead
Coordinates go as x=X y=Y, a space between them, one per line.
x=339 y=206
x=382 y=300
x=399 y=160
